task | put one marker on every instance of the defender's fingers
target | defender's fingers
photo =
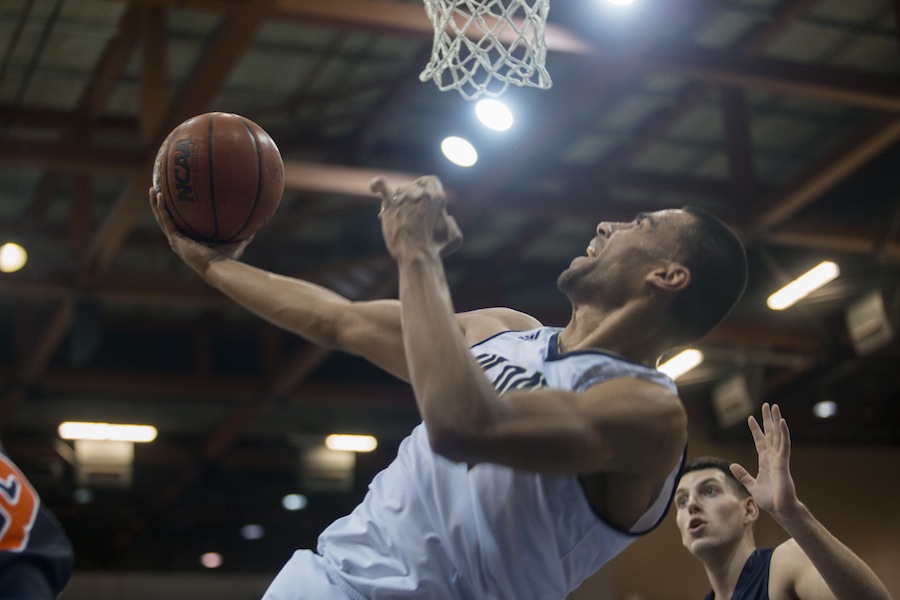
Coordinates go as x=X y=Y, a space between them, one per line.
x=785 y=437
x=742 y=475
x=759 y=438
x=773 y=429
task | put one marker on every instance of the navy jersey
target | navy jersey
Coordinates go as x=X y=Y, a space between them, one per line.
x=35 y=554
x=753 y=583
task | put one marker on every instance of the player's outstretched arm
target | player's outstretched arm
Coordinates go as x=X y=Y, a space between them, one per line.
x=815 y=564
x=367 y=329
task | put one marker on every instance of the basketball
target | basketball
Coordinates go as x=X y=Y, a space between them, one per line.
x=221 y=177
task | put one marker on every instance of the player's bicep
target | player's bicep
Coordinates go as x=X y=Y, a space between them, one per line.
x=373 y=331
x=478 y=325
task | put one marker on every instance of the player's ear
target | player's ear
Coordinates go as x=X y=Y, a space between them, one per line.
x=672 y=277
x=751 y=510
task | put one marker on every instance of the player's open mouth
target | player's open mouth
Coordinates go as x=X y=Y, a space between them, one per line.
x=591 y=252
x=695 y=524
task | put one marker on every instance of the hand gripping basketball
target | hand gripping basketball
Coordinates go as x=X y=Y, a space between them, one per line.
x=221 y=176
x=196 y=254
x=414 y=218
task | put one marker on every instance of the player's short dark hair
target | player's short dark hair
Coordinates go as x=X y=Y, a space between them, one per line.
x=717 y=261
x=714 y=462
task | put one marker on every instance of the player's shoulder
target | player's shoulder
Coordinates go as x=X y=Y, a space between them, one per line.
x=788 y=553
x=483 y=323
x=788 y=565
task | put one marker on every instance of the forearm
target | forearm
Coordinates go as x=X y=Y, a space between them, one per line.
x=847 y=576
x=453 y=394
x=300 y=307
x=368 y=329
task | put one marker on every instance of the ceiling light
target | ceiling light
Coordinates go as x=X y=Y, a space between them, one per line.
x=351 y=443
x=803 y=286
x=294 y=502
x=211 y=560
x=459 y=151
x=252 y=531
x=83 y=495
x=494 y=114
x=12 y=257
x=825 y=409
x=75 y=430
x=681 y=363
x=620 y=2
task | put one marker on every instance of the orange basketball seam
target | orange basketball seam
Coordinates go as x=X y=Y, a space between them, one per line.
x=212 y=178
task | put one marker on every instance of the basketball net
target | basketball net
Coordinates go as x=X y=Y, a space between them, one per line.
x=483 y=46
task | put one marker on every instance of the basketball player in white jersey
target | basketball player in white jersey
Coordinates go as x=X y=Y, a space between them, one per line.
x=543 y=451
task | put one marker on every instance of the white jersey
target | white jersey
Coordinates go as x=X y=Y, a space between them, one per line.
x=431 y=528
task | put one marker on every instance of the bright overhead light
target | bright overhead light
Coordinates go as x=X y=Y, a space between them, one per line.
x=12 y=257
x=351 y=443
x=211 y=560
x=620 y=2
x=494 y=114
x=681 y=363
x=459 y=151
x=74 y=430
x=294 y=502
x=825 y=409
x=803 y=286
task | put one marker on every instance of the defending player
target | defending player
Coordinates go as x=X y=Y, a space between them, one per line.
x=718 y=505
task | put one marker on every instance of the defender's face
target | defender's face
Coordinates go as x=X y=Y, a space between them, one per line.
x=709 y=513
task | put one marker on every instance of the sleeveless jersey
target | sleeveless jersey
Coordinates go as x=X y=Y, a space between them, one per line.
x=35 y=554
x=753 y=582
x=432 y=528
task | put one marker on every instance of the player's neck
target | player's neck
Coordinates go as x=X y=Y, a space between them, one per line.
x=629 y=331
x=724 y=566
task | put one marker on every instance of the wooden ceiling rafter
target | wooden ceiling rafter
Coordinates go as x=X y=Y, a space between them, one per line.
x=739 y=147
x=33 y=364
x=154 y=71
x=221 y=56
x=827 y=172
x=91 y=102
x=399 y=89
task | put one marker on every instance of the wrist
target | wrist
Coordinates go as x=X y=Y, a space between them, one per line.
x=413 y=257
x=793 y=516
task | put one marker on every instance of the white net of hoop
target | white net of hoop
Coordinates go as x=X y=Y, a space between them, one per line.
x=483 y=46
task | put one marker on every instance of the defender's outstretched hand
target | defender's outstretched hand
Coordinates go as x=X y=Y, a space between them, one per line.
x=773 y=487
x=194 y=253
x=414 y=218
